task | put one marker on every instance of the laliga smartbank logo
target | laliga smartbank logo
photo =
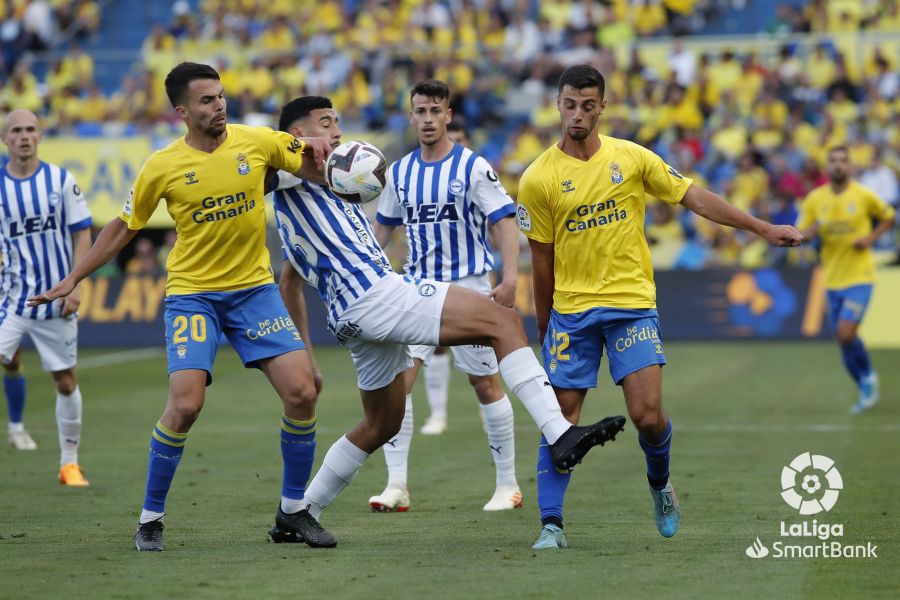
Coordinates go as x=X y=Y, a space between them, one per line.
x=811 y=484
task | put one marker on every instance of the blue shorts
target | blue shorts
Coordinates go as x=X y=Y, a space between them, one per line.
x=254 y=320
x=848 y=304
x=574 y=345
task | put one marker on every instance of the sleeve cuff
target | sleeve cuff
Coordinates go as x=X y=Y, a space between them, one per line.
x=392 y=221
x=81 y=225
x=501 y=213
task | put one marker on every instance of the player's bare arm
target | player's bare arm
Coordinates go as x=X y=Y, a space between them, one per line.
x=711 y=206
x=290 y=284
x=506 y=237
x=315 y=151
x=883 y=227
x=81 y=245
x=111 y=240
x=383 y=233
x=544 y=282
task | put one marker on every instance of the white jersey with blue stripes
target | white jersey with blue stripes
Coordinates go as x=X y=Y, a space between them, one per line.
x=446 y=207
x=38 y=214
x=329 y=241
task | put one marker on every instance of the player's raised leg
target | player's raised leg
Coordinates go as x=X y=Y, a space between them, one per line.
x=187 y=391
x=471 y=318
x=858 y=364
x=68 y=423
x=643 y=397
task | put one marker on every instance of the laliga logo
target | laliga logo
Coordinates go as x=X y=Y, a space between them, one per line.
x=810 y=483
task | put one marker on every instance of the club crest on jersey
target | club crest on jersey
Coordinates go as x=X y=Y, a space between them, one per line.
x=243 y=165
x=191 y=178
x=456 y=186
x=53 y=198
x=616 y=173
x=851 y=208
x=567 y=186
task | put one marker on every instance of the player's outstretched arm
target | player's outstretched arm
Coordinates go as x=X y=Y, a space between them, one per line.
x=506 y=237
x=290 y=284
x=110 y=241
x=544 y=281
x=710 y=206
x=315 y=151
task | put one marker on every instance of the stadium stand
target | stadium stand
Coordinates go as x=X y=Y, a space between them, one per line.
x=744 y=96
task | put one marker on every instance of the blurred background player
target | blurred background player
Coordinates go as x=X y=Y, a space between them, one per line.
x=219 y=282
x=448 y=195
x=437 y=369
x=840 y=215
x=582 y=207
x=46 y=230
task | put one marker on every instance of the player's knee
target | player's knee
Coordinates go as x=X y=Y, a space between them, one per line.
x=66 y=386
x=487 y=389
x=845 y=337
x=302 y=396
x=506 y=324
x=648 y=421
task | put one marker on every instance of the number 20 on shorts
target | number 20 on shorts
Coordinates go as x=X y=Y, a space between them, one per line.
x=560 y=345
x=197 y=326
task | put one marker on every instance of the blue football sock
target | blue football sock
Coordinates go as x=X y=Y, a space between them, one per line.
x=166 y=448
x=298 y=449
x=14 y=387
x=551 y=486
x=657 y=455
x=856 y=359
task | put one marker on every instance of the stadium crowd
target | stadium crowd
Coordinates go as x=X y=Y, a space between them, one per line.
x=753 y=122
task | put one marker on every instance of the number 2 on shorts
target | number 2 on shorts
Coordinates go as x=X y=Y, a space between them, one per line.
x=560 y=345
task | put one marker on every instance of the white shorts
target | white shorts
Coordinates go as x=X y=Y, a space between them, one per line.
x=472 y=360
x=396 y=311
x=56 y=339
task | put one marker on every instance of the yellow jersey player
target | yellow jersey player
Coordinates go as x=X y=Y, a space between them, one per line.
x=840 y=214
x=219 y=282
x=582 y=206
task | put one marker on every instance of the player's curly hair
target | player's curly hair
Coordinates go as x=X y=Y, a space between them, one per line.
x=179 y=78
x=431 y=88
x=581 y=77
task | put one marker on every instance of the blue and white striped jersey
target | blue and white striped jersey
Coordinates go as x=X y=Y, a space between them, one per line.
x=330 y=242
x=446 y=207
x=38 y=215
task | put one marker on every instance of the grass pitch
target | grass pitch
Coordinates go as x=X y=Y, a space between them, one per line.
x=741 y=411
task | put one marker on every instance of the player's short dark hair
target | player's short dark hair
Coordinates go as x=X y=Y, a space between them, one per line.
x=300 y=108
x=179 y=78
x=838 y=148
x=431 y=88
x=581 y=77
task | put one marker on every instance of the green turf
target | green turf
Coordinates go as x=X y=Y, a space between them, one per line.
x=741 y=411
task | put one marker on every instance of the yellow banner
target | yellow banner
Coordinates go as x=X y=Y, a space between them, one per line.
x=881 y=327
x=105 y=169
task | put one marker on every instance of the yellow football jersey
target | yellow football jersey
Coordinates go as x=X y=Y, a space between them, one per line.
x=593 y=213
x=216 y=201
x=842 y=219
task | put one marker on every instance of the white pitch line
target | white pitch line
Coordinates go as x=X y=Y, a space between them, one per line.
x=117 y=358
x=782 y=427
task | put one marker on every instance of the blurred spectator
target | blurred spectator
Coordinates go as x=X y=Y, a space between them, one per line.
x=144 y=261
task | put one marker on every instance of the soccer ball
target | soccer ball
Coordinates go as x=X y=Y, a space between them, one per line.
x=355 y=172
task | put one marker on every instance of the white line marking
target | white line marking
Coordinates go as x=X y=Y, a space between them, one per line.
x=117 y=358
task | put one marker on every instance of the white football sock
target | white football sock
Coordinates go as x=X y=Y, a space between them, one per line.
x=149 y=515
x=340 y=466
x=499 y=426
x=291 y=505
x=523 y=374
x=396 y=451
x=68 y=421
x=437 y=382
